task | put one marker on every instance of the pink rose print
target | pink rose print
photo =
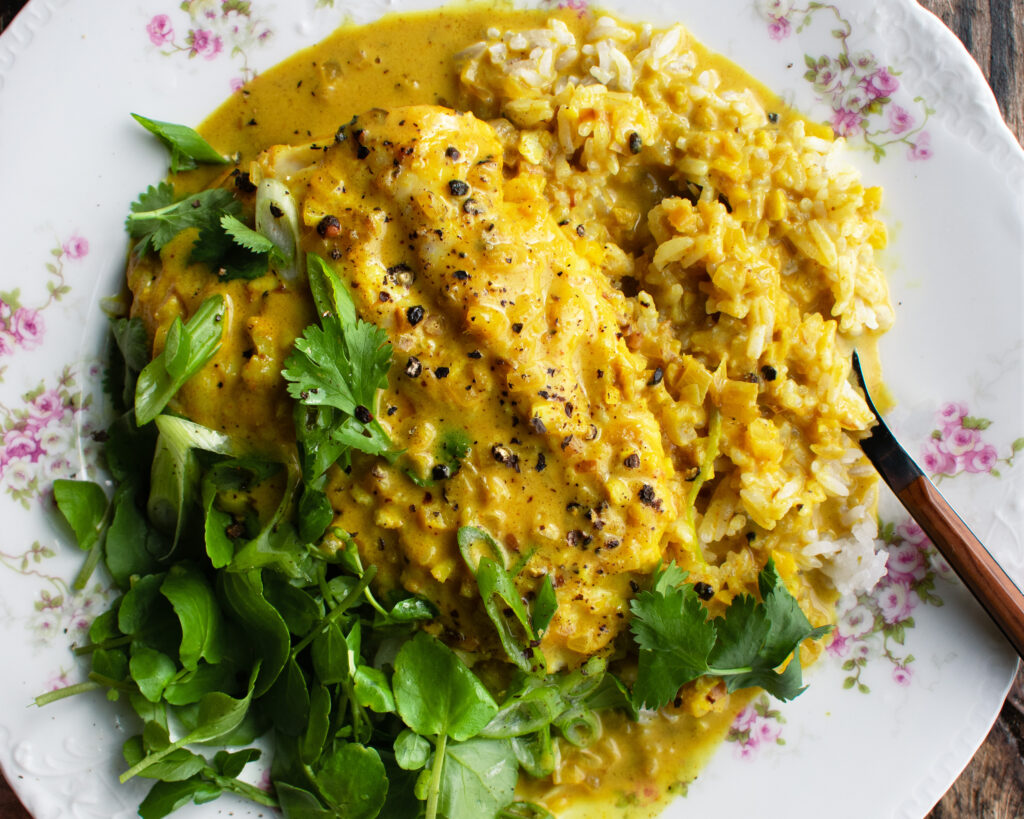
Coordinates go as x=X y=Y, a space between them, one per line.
x=905 y=563
x=937 y=460
x=921 y=147
x=76 y=247
x=846 y=123
x=896 y=602
x=7 y=343
x=27 y=327
x=859 y=91
x=779 y=28
x=981 y=460
x=961 y=441
x=881 y=84
x=900 y=119
x=160 y=30
x=902 y=675
x=756 y=726
x=205 y=44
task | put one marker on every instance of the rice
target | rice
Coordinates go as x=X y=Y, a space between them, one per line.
x=759 y=277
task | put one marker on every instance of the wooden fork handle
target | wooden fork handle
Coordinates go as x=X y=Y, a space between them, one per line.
x=984 y=578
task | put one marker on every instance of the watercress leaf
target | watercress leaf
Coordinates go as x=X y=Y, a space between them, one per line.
x=475 y=544
x=111 y=663
x=411 y=750
x=268 y=637
x=146 y=615
x=128 y=451
x=232 y=764
x=299 y=610
x=287 y=701
x=132 y=545
x=544 y=606
x=132 y=341
x=330 y=655
x=219 y=714
x=84 y=506
x=353 y=781
x=478 y=778
x=277 y=546
x=166 y=797
x=315 y=514
x=202 y=628
x=435 y=693
x=372 y=690
x=311 y=744
x=411 y=610
x=148 y=712
x=193 y=685
x=152 y=670
x=104 y=627
x=157 y=384
x=187 y=147
x=219 y=547
x=296 y=803
x=177 y=766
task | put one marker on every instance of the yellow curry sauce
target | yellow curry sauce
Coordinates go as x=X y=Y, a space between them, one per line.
x=507 y=333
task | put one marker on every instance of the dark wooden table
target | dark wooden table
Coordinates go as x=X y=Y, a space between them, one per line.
x=992 y=785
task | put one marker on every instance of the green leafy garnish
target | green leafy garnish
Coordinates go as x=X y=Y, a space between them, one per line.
x=187 y=147
x=678 y=643
x=334 y=374
x=157 y=216
x=187 y=347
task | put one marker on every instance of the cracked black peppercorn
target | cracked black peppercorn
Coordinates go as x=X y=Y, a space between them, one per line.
x=441 y=472
x=329 y=227
x=413 y=368
x=704 y=591
x=415 y=315
x=363 y=415
x=768 y=372
x=635 y=142
x=457 y=187
x=632 y=461
x=656 y=378
x=441 y=372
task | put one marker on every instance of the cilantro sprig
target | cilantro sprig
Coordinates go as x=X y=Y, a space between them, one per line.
x=158 y=215
x=745 y=647
x=334 y=374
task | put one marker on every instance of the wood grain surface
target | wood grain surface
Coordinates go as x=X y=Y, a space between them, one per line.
x=992 y=785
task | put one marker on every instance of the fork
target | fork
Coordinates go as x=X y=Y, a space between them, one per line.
x=971 y=561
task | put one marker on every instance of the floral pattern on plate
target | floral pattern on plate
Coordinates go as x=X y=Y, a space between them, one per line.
x=860 y=90
x=958 y=445
x=212 y=28
x=22 y=327
x=49 y=435
x=758 y=724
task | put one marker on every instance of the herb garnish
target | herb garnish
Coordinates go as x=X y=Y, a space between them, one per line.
x=187 y=147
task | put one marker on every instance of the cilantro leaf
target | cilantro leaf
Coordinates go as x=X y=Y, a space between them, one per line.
x=157 y=217
x=335 y=372
x=187 y=147
x=744 y=647
x=671 y=628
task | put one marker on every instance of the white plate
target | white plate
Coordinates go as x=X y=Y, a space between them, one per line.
x=909 y=691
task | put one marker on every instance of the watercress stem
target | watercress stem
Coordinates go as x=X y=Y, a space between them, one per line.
x=68 y=691
x=435 y=777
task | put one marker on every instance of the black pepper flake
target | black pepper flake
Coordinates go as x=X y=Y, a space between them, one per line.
x=635 y=142
x=613 y=543
x=244 y=183
x=461 y=275
x=475 y=354
x=472 y=207
x=457 y=187
x=362 y=414
x=275 y=211
x=362 y=152
x=648 y=498
x=542 y=462
x=503 y=455
x=329 y=227
x=441 y=372
x=580 y=230
x=340 y=135
x=568 y=410
x=566 y=441
x=659 y=374
x=537 y=425
x=384 y=295
x=630 y=286
x=452 y=152
x=704 y=591
x=415 y=314
x=769 y=373
x=632 y=461
x=773 y=117
x=750 y=537
x=413 y=368
x=441 y=472
x=517 y=327
x=335 y=253
x=576 y=538
x=392 y=410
